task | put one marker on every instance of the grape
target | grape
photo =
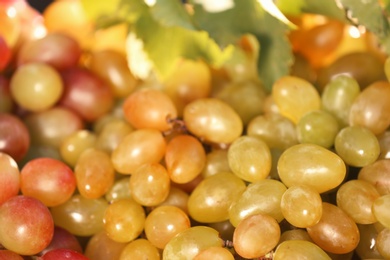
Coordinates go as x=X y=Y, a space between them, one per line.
x=5 y=53
x=378 y=174
x=49 y=180
x=338 y=97
x=356 y=198
x=384 y=144
x=9 y=255
x=295 y=97
x=185 y=158
x=119 y=190
x=263 y=196
x=357 y=146
x=212 y=120
x=215 y=253
x=80 y=216
x=336 y=232
x=301 y=206
x=36 y=86
x=381 y=210
x=26 y=225
x=302 y=68
x=52 y=126
x=55 y=49
x=317 y=127
x=140 y=249
x=163 y=223
x=178 y=198
x=14 y=136
x=63 y=254
x=9 y=177
x=149 y=108
x=367 y=247
x=311 y=165
x=124 y=220
x=189 y=81
x=256 y=235
x=216 y=161
x=275 y=130
x=137 y=148
x=250 y=158
x=149 y=184
x=210 y=201
x=252 y=92
x=111 y=66
x=225 y=229
x=299 y=249
x=101 y=247
x=63 y=239
x=295 y=234
x=86 y=94
x=188 y=243
x=75 y=144
x=382 y=242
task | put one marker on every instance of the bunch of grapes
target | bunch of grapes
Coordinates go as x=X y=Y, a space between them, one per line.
x=205 y=164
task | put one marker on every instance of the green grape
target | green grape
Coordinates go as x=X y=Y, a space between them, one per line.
x=276 y=130
x=188 y=243
x=250 y=91
x=317 y=127
x=119 y=190
x=295 y=97
x=163 y=223
x=357 y=146
x=301 y=206
x=338 y=96
x=210 y=201
x=381 y=210
x=263 y=196
x=311 y=165
x=382 y=243
x=367 y=247
x=378 y=174
x=356 y=198
x=299 y=249
x=256 y=235
x=336 y=232
x=124 y=220
x=216 y=161
x=140 y=249
x=250 y=158
x=371 y=108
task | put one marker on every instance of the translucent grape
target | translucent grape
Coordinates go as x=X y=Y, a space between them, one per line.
x=215 y=253
x=124 y=220
x=36 y=86
x=216 y=161
x=112 y=134
x=178 y=198
x=299 y=249
x=212 y=120
x=311 y=165
x=295 y=234
x=119 y=190
x=367 y=247
x=149 y=184
x=382 y=243
x=295 y=97
x=185 y=158
x=256 y=235
x=381 y=210
x=94 y=173
x=149 y=108
x=188 y=243
x=356 y=198
x=9 y=177
x=211 y=199
x=225 y=229
x=336 y=232
x=259 y=197
x=357 y=146
x=250 y=158
x=301 y=206
x=62 y=253
x=163 y=223
x=136 y=149
x=140 y=249
x=101 y=247
x=63 y=239
x=378 y=174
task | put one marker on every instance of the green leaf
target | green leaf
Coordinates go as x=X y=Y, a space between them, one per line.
x=247 y=17
x=96 y=9
x=172 y=13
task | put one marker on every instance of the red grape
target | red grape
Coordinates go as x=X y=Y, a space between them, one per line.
x=63 y=254
x=9 y=255
x=63 y=239
x=9 y=177
x=5 y=53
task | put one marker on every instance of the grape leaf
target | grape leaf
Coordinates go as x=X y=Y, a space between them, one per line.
x=172 y=13
x=247 y=17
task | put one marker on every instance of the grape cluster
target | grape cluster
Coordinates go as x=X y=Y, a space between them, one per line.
x=205 y=164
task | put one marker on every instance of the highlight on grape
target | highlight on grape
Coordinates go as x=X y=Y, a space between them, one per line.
x=199 y=130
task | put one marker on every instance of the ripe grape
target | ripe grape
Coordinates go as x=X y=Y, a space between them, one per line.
x=5 y=53
x=178 y=198
x=381 y=210
x=119 y=190
x=215 y=253
x=9 y=255
x=216 y=161
x=382 y=242
x=299 y=249
x=101 y=247
x=63 y=239
x=63 y=254
x=9 y=177
x=140 y=249
x=367 y=247
x=378 y=174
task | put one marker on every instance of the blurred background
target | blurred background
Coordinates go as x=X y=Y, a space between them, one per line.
x=40 y=5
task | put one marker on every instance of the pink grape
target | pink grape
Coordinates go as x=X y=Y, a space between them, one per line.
x=63 y=254
x=9 y=177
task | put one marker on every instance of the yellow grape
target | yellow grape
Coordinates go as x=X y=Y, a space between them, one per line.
x=295 y=97
x=124 y=220
x=299 y=249
x=381 y=210
x=101 y=247
x=163 y=223
x=178 y=198
x=140 y=249
x=250 y=158
x=212 y=120
x=295 y=234
x=119 y=190
x=185 y=158
x=137 y=148
x=149 y=184
x=210 y=201
x=256 y=235
x=311 y=165
x=216 y=161
x=215 y=253
x=378 y=174
x=382 y=243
